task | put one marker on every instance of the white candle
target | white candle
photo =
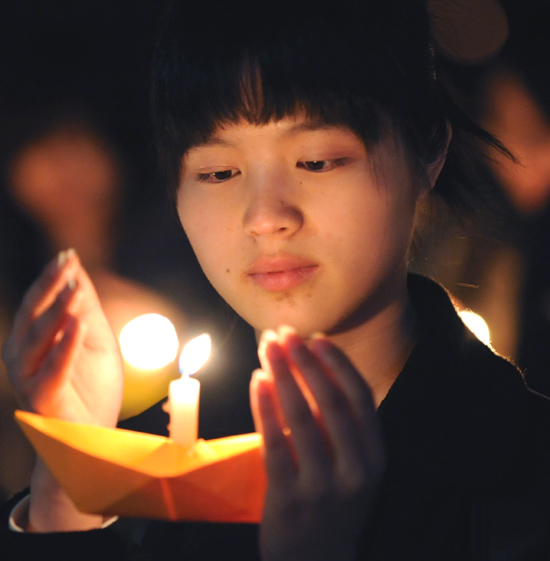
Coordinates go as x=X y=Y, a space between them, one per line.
x=183 y=394
x=183 y=399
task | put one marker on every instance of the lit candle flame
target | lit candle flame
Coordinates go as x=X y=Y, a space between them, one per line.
x=149 y=342
x=195 y=354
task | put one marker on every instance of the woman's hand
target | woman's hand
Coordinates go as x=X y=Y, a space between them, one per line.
x=323 y=452
x=63 y=361
x=62 y=356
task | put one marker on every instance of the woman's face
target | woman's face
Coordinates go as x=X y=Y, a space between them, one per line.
x=298 y=223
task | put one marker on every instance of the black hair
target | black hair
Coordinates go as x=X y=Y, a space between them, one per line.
x=359 y=63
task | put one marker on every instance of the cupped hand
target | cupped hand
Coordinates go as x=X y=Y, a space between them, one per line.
x=63 y=361
x=62 y=356
x=323 y=451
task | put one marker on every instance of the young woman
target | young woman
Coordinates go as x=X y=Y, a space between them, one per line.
x=300 y=141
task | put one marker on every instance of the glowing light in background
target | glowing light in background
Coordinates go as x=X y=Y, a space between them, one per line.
x=477 y=325
x=149 y=342
x=195 y=354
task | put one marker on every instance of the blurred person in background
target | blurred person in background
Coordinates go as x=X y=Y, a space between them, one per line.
x=498 y=267
x=64 y=183
x=515 y=110
x=486 y=264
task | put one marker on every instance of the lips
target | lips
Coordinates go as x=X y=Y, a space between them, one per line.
x=276 y=274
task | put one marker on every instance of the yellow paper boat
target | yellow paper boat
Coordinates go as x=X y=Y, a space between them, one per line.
x=131 y=474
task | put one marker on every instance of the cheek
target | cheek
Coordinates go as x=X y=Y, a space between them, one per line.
x=193 y=213
x=194 y=223
x=208 y=233
x=380 y=228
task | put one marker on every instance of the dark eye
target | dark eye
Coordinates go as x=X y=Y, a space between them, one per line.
x=222 y=175
x=322 y=165
x=315 y=165
x=217 y=176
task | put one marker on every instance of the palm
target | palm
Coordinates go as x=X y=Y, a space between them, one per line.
x=63 y=358
x=92 y=389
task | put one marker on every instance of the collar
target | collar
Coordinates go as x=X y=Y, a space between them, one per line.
x=457 y=410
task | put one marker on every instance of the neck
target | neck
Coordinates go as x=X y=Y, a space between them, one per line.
x=380 y=346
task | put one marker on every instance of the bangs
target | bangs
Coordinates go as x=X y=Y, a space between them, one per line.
x=256 y=93
x=345 y=63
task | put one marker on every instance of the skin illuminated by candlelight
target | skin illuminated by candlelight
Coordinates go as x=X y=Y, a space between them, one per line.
x=63 y=361
x=315 y=229
x=298 y=223
x=293 y=225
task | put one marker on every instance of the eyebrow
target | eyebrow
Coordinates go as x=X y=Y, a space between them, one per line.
x=213 y=141
x=311 y=127
x=292 y=131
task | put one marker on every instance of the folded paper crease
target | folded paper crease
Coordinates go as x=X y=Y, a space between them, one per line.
x=131 y=474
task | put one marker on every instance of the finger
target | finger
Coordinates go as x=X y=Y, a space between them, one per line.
x=41 y=294
x=353 y=436
x=88 y=308
x=330 y=400
x=54 y=373
x=54 y=369
x=354 y=386
x=279 y=457
x=307 y=435
x=42 y=332
x=254 y=399
x=268 y=336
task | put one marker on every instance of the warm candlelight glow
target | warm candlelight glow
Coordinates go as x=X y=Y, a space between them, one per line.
x=477 y=325
x=195 y=354
x=149 y=342
x=183 y=396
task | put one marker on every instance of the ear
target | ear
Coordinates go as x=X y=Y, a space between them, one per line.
x=434 y=169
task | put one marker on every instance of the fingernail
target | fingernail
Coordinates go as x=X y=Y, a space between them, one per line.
x=71 y=283
x=259 y=376
x=267 y=337
x=287 y=336
x=318 y=335
x=290 y=339
x=284 y=331
x=61 y=258
x=64 y=256
x=270 y=351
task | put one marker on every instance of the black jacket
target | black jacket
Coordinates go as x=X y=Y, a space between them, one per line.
x=468 y=474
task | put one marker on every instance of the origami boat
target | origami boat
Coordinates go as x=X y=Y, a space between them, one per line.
x=132 y=474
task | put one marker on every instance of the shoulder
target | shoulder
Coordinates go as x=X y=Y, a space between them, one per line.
x=464 y=411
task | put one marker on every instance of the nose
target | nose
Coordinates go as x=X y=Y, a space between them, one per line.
x=272 y=208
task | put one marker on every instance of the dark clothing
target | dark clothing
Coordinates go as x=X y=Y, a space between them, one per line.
x=468 y=474
x=468 y=454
